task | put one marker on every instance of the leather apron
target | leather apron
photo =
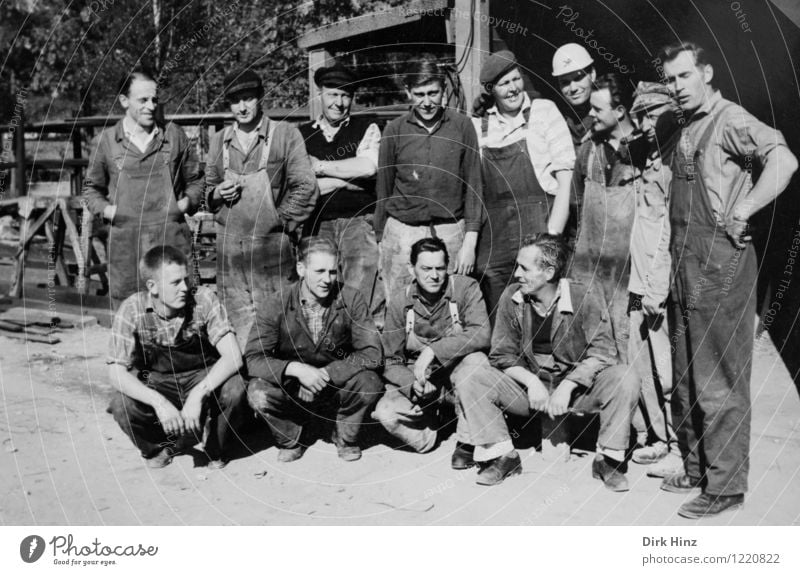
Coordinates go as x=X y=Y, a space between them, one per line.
x=147 y=216
x=602 y=250
x=515 y=205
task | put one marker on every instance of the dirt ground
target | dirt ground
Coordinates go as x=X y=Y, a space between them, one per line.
x=65 y=462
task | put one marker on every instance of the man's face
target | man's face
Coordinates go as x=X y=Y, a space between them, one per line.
x=244 y=106
x=529 y=272
x=604 y=117
x=576 y=87
x=647 y=120
x=430 y=271
x=508 y=92
x=426 y=99
x=335 y=104
x=318 y=272
x=687 y=81
x=140 y=102
x=170 y=286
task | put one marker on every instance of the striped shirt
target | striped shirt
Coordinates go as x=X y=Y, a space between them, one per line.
x=208 y=318
x=547 y=137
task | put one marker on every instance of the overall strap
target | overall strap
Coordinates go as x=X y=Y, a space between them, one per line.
x=454 y=312
x=226 y=143
x=410 y=317
x=262 y=164
x=705 y=137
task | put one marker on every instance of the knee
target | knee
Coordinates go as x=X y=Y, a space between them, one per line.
x=385 y=410
x=628 y=383
x=258 y=394
x=234 y=391
x=368 y=384
x=123 y=408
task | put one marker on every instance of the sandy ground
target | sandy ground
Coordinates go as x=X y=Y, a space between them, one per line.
x=64 y=461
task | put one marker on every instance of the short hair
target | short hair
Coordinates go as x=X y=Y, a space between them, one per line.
x=429 y=245
x=315 y=244
x=670 y=52
x=621 y=90
x=137 y=73
x=554 y=251
x=423 y=72
x=158 y=257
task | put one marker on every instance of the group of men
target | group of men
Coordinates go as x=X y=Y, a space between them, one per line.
x=634 y=300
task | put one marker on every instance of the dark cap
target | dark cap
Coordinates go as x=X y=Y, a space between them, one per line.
x=336 y=76
x=650 y=95
x=240 y=80
x=496 y=65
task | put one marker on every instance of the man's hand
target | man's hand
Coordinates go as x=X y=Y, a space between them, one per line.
x=559 y=401
x=465 y=261
x=183 y=205
x=737 y=232
x=652 y=307
x=537 y=395
x=229 y=190
x=170 y=418
x=191 y=411
x=422 y=364
x=305 y=395
x=313 y=379
x=109 y=212
x=317 y=166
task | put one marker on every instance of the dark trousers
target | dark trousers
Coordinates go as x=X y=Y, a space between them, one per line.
x=225 y=407
x=286 y=414
x=712 y=319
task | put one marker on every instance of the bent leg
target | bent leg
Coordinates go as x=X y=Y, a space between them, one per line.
x=139 y=422
x=282 y=411
x=356 y=398
x=393 y=412
x=227 y=410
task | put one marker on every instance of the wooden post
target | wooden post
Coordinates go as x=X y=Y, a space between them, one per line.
x=19 y=149
x=479 y=48
x=316 y=59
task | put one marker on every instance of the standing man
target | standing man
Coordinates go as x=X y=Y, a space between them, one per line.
x=573 y=69
x=174 y=362
x=311 y=346
x=553 y=343
x=435 y=331
x=429 y=180
x=260 y=184
x=649 y=348
x=142 y=178
x=712 y=197
x=344 y=156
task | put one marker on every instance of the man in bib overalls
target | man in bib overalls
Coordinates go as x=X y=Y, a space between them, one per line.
x=435 y=331
x=712 y=310
x=260 y=184
x=142 y=178
x=174 y=361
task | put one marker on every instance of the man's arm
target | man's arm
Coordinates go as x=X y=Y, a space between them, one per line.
x=214 y=175
x=363 y=165
x=95 y=186
x=476 y=333
x=560 y=212
x=657 y=280
x=366 y=343
x=261 y=351
x=562 y=154
x=473 y=198
x=301 y=184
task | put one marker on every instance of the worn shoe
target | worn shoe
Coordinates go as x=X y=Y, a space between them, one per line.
x=500 y=468
x=348 y=452
x=650 y=454
x=610 y=472
x=214 y=464
x=462 y=456
x=160 y=459
x=680 y=483
x=707 y=505
x=289 y=455
x=672 y=464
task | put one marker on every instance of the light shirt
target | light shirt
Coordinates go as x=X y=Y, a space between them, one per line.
x=137 y=137
x=369 y=145
x=246 y=139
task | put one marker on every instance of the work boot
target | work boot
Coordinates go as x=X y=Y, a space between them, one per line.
x=610 y=472
x=292 y=454
x=650 y=454
x=498 y=469
x=160 y=459
x=672 y=464
x=680 y=483
x=707 y=505
x=462 y=456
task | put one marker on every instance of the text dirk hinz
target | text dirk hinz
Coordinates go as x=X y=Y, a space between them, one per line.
x=672 y=542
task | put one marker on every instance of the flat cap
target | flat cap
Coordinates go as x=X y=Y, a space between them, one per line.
x=242 y=80
x=336 y=76
x=650 y=95
x=496 y=65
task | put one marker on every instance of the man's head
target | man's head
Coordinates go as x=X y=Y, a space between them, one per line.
x=336 y=86
x=164 y=271
x=688 y=74
x=243 y=92
x=610 y=102
x=573 y=68
x=138 y=95
x=429 y=260
x=318 y=265
x=651 y=99
x=424 y=84
x=540 y=262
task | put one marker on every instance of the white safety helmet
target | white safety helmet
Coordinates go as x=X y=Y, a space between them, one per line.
x=570 y=58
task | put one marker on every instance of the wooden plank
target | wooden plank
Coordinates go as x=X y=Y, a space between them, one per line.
x=30 y=316
x=476 y=31
x=31 y=337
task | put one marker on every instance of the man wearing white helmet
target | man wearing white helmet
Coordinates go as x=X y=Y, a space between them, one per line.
x=573 y=69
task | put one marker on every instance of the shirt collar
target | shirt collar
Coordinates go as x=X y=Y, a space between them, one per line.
x=150 y=307
x=125 y=128
x=448 y=290
x=323 y=124
x=261 y=129
x=564 y=304
x=708 y=105
x=411 y=118
x=526 y=104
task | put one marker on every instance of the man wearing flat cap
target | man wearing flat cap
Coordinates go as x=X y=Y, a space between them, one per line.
x=344 y=155
x=649 y=346
x=260 y=184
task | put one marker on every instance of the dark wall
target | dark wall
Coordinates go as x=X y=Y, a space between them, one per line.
x=754 y=45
